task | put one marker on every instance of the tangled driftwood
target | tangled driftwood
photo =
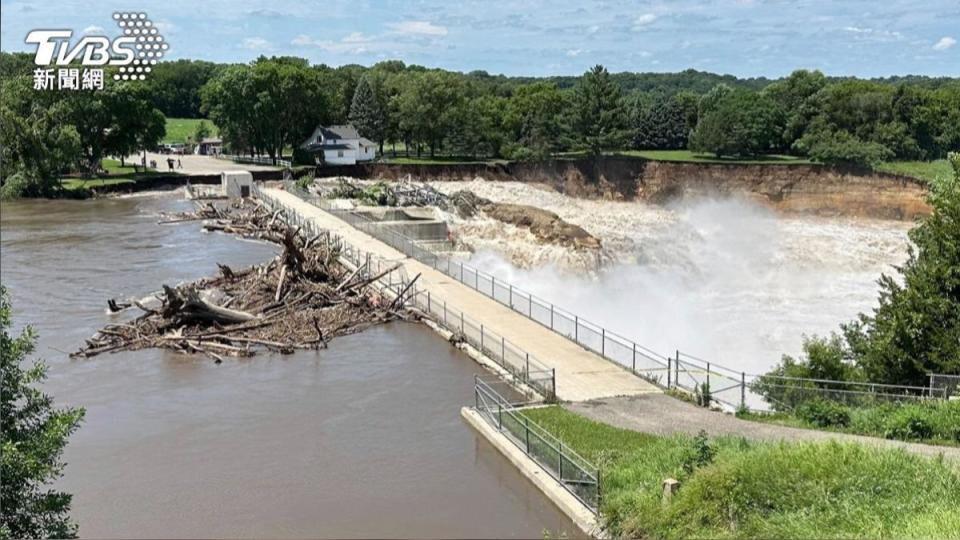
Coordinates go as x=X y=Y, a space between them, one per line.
x=298 y=300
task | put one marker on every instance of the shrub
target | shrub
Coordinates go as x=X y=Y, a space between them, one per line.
x=823 y=413
x=909 y=422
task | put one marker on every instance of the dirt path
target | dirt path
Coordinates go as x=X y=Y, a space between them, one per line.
x=661 y=414
x=194 y=164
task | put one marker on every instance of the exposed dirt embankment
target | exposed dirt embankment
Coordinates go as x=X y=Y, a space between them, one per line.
x=789 y=188
x=807 y=189
x=545 y=225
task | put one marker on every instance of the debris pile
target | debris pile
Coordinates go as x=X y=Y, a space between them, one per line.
x=298 y=300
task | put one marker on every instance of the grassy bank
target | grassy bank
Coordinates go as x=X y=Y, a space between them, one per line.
x=935 y=422
x=179 y=129
x=116 y=174
x=731 y=488
x=686 y=156
x=922 y=170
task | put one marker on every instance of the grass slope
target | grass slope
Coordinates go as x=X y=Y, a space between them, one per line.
x=179 y=129
x=692 y=157
x=922 y=170
x=761 y=490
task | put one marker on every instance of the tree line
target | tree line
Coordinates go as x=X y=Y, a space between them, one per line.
x=271 y=105
x=433 y=111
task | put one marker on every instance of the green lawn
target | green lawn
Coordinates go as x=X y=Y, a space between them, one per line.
x=922 y=170
x=179 y=129
x=732 y=488
x=79 y=183
x=693 y=157
x=426 y=160
x=116 y=174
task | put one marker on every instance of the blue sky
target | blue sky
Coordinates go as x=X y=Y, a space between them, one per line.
x=742 y=37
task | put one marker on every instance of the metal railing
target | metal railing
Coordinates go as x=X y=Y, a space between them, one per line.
x=948 y=384
x=729 y=388
x=519 y=365
x=257 y=160
x=577 y=475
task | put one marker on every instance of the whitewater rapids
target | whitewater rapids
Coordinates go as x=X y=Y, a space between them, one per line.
x=726 y=280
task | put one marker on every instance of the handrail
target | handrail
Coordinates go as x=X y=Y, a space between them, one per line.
x=527 y=370
x=472 y=277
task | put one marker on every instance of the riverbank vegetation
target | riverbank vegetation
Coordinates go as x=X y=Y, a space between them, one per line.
x=33 y=434
x=734 y=488
x=915 y=329
x=928 y=422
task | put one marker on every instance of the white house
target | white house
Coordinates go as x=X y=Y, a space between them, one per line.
x=339 y=145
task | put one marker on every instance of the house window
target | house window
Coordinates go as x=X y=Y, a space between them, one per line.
x=339 y=153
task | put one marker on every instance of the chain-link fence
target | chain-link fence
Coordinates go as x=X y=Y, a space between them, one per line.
x=520 y=366
x=580 y=477
x=711 y=382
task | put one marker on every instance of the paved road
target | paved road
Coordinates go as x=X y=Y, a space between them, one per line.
x=661 y=414
x=193 y=164
x=580 y=374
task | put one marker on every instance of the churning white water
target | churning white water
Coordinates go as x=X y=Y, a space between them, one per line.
x=724 y=280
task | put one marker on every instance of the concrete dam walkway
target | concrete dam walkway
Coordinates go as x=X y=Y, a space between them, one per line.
x=580 y=374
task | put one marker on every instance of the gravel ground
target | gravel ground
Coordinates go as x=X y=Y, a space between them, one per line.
x=661 y=414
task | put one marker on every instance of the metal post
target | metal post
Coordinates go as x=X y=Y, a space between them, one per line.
x=526 y=426
x=493 y=287
x=461 y=272
x=444 y=312
x=481 y=338
x=743 y=389
x=428 y=302
x=528 y=364
x=511 y=305
x=500 y=416
x=576 y=328
x=503 y=349
x=669 y=369
x=476 y=279
x=676 y=367
x=708 y=374
x=635 y=359
x=461 y=324
x=560 y=455
x=551 y=316
x=603 y=341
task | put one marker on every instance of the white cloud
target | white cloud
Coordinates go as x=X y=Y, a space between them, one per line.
x=356 y=37
x=643 y=21
x=945 y=43
x=574 y=52
x=881 y=35
x=419 y=28
x=93 y=29
x=256 y=44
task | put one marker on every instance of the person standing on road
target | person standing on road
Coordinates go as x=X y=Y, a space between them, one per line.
x=170 y=163
x=179 y=165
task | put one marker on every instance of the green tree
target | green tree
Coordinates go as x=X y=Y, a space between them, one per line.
x=368 y=113
x=740 y=123
x=533 y=118
x=598 y=117
x=426 y=105
x=34 y=435
x=840 y=147
x=662 y=125
x=915 y=329
x=36 y=142
x=201 y=132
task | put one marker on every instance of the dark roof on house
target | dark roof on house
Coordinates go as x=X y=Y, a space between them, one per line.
x=340 y=132
x=330 y=132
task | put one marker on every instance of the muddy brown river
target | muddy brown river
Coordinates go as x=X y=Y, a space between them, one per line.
x=361 y=440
